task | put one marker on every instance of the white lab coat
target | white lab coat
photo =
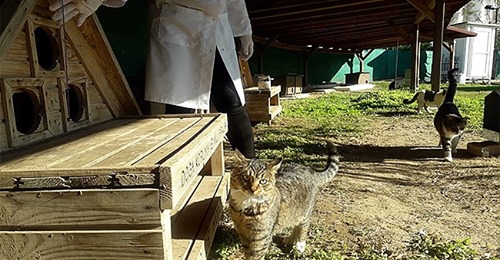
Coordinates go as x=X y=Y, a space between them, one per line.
x=183 y=39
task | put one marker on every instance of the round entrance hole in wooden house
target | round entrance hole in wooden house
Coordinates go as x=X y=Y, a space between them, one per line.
x=46 y=48
x=26 y=111
x=75 y=103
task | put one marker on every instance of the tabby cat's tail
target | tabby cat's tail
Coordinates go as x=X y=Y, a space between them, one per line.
x=452 y=86
x=331 y=169
x=406 y=101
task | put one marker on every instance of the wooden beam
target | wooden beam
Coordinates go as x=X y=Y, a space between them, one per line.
x=80 y=209
x=451 y=49
x=92 y=244
x=423 y=8
x=15 y=25
x=431 y=4
x=307 y=11
x=401 y=32
x=438 y=42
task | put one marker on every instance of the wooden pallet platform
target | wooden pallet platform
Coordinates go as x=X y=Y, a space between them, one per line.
x=263 y=105
x=122 y=189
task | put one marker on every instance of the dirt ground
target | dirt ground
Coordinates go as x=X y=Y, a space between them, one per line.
x=393 y=183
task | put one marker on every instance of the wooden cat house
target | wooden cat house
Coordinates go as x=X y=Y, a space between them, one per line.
x=83 y=175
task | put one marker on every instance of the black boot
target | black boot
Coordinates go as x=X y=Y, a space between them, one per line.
x=240 y=132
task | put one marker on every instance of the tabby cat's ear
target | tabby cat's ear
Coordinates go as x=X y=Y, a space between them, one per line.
x=274 y=165
x=240 y=157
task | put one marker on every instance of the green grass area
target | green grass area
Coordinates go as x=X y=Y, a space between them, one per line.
x=297 y=133
x=297 y=136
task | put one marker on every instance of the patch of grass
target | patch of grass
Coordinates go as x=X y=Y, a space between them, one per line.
x=225 y=243
x=425 y=246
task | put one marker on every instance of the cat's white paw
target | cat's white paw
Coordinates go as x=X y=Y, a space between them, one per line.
x=454 y=151
x=300 y=246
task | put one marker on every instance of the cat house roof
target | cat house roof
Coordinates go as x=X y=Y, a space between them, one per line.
x=19 y=21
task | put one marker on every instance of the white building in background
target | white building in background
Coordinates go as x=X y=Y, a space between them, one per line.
x=474 y=56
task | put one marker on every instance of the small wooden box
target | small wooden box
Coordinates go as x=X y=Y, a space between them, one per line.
x=263 y=105
x=131 y=188
x=291 y=84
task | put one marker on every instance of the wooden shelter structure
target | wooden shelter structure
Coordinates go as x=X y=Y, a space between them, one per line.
x=345 y=26
x=83 y=175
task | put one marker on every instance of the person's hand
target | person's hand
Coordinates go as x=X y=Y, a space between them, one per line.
x=67 y=9
x=246 y=47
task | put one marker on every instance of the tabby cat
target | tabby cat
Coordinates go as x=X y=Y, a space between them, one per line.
x=265 y=200
x=427 y=98
x=448 y=121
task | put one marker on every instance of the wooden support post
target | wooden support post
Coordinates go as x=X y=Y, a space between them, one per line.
x=306 y=61
x=452 y=54
x=350 y=63
x=415 y=58
x=361 y=61
x=438 y=42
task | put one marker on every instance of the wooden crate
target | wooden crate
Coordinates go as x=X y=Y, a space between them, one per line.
x=263 y=105
x=291 y=84
x=123 y=189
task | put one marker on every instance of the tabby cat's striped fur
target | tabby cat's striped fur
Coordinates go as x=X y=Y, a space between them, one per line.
x=265 y=200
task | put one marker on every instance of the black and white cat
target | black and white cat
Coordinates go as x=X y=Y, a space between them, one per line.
x=427 y=98
x=448 y=121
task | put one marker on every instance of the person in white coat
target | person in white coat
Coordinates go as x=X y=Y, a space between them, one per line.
x=192 y=57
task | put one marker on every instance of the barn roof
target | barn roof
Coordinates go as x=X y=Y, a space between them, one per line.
x=347 y=25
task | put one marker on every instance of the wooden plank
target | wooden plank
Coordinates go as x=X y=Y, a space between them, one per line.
x=258 y=105
x=14 y=68
x=8 y=111
x=146 y=144
x=215 y=166
x=79 y=149
x=31 y=46
x=92 y=48
x=95 y=181
x=206 y=234
x=184 y=200
x=4 y=144
x=185 y=227
x=15 y=25
x=176 y=144
x=79 y=209
x=166 y=228
x=184 y=165
x=89 y=154
x=49 y=245
x=251 y=97
x=7 y=183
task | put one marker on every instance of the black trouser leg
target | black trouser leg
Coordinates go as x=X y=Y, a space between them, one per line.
x=226 y=100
